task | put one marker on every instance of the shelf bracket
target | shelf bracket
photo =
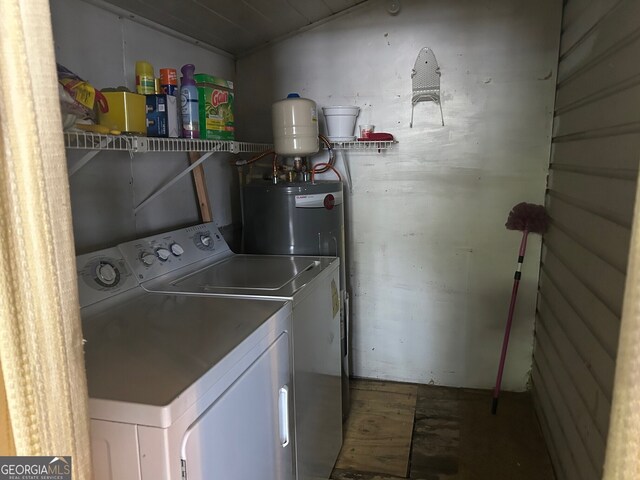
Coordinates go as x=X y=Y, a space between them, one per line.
x=86 y=158
x=167 y=185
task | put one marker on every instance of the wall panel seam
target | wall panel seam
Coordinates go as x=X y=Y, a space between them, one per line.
x=600 y=94
x=543 y=391
x=601 y=172
x=570 y=445
x=292 y=6
x=560 y=437
x=582 y=38
x=551 y=443
x=573 y=236
x=541 y=350
x=607 y=395
x=619 y=45
x=575 y=274
x=588 y=208
x=611 y=131
x=543 y=297
x=554 y=282
x=570 y=407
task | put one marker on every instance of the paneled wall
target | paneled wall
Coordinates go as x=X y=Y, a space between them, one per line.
x=592 y=182
x=430 y=259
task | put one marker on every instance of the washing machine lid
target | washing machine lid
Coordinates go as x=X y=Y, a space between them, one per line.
x=260 y=272
x=148 y=351
x=272 y=276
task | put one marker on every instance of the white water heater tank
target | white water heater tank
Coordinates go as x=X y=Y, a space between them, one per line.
x=295 y=126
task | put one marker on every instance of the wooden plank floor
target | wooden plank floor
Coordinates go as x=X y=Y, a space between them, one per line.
x=454 y=435
x=379 y=428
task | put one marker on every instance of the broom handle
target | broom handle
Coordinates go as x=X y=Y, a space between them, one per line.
x=507 y=330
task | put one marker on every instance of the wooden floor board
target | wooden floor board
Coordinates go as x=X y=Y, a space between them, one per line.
x=451 y=436
x=505 y=446
x=384 y=386
x=339 y=474
x=379 y=430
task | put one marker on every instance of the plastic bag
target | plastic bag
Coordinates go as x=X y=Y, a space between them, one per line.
x=78 y=97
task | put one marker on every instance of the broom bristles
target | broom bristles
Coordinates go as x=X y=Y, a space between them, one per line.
x=528 y=216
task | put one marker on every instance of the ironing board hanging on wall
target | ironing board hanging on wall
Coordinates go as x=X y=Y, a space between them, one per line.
x=425 y=78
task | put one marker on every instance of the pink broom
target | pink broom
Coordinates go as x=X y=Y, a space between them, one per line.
x=526 y=218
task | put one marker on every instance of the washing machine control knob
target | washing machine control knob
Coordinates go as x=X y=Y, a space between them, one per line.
x=106 y=273
x=163 y=254
x=176 y=249
x=147 y=259
x=205 y=240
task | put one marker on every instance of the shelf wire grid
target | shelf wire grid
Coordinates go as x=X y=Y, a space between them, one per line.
x=363 y=145
x=139 y=144
x=96 y=141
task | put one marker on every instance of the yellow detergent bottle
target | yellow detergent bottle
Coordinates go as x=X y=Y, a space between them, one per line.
x=145 y=80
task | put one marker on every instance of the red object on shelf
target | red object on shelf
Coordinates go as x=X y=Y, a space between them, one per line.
x=377 y=137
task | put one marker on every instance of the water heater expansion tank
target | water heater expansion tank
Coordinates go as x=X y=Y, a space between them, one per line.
x=295 y=126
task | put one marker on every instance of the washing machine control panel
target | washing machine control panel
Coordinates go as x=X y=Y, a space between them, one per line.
x=103 y=274
x=159 y=254
x=176 y=249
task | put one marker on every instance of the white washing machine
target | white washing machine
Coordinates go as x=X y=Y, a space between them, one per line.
x=196 y=261
x=183 y=387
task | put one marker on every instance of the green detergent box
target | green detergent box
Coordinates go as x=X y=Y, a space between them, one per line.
x=215 y=104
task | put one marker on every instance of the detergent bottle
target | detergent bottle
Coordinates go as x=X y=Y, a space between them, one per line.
x=189 y=103
x=144 y=78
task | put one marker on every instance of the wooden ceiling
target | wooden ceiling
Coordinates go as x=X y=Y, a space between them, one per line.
x=235 y=26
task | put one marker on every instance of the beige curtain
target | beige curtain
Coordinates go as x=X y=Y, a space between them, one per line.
x=45 y=395
x=7 y=446
x=623 y=445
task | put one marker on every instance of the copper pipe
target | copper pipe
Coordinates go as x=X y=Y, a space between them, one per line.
x=332 y=156
x=256 y=158
x=326 y=167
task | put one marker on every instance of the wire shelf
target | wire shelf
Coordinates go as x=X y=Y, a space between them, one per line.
x=184 y=145
x=139 y=144
x=363 y=145
x=246 y=147
x=96 y=141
